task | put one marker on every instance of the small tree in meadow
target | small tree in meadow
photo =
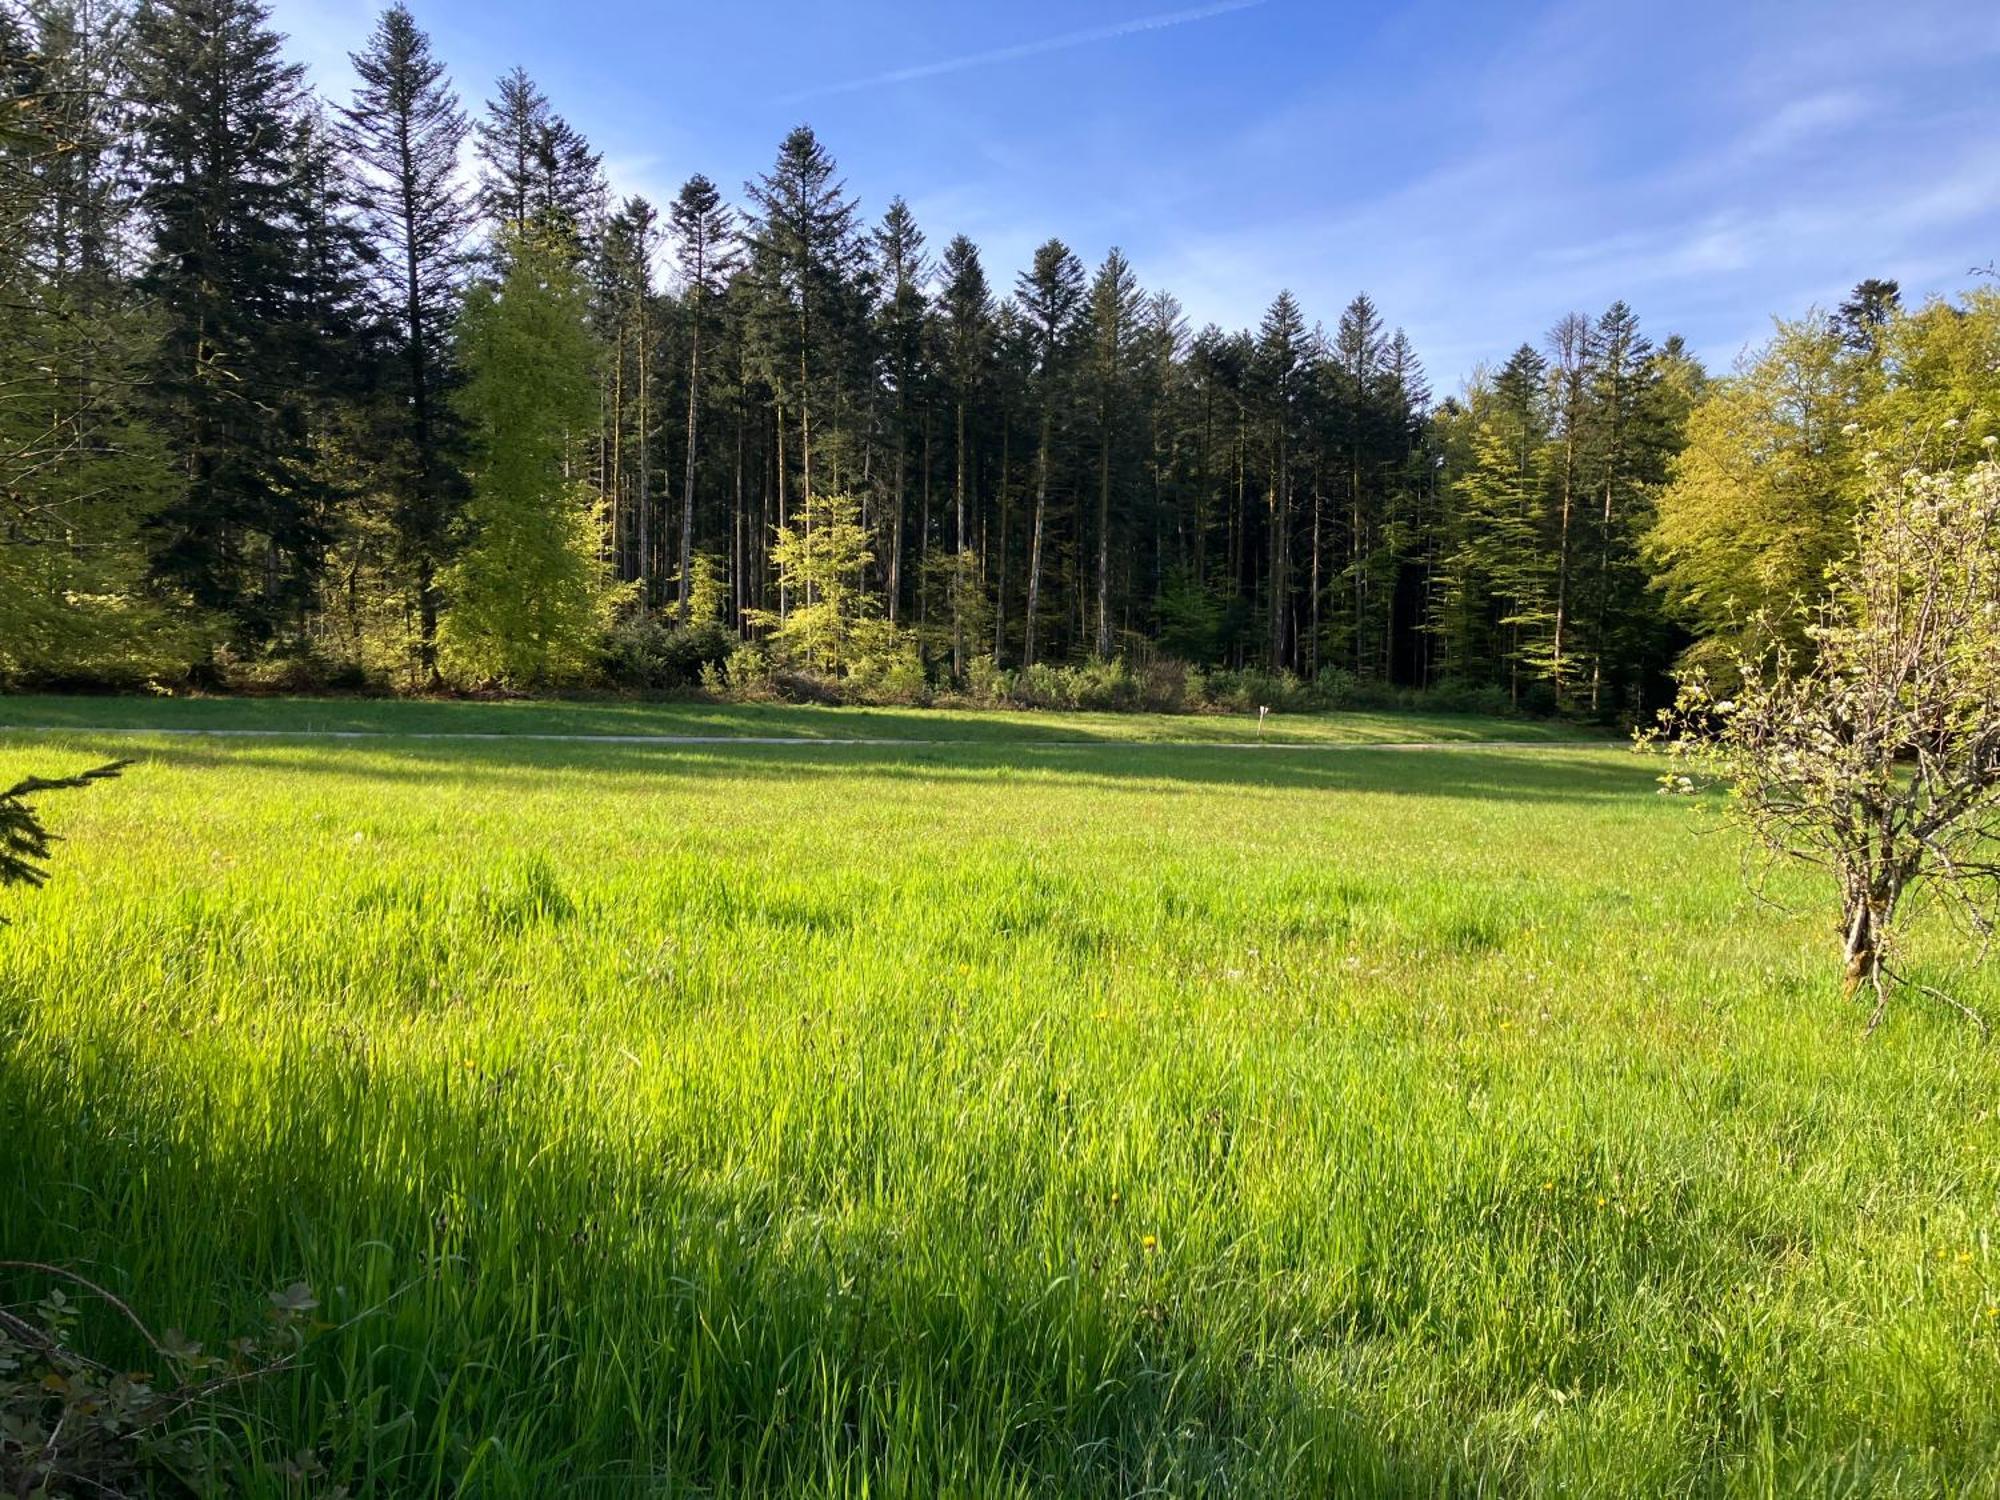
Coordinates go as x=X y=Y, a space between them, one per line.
x=1873 y=753
x=830 y=619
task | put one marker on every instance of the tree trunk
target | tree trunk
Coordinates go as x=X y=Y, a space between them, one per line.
x=1104 y=541
x=1000 y=586
x=896 y=526
x=1870 y=910
x=687 y=477
x=958 y=558
x=1035 y=543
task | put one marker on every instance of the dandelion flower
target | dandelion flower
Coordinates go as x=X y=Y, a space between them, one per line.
x=1149 y=1243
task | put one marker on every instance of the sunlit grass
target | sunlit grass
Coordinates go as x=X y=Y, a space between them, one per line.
x=998 y=1118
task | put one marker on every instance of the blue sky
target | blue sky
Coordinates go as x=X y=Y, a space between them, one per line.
x=1478 y=169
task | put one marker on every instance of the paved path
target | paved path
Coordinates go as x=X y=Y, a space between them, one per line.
x=805 y=740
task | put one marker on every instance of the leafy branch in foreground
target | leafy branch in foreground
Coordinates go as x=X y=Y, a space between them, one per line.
x=24 y=842
x=73 y=1424
x=1874 y=753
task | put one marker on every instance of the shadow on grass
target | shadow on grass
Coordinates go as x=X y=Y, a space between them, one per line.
x=528 y=718
x=557 y=1312
x=1524 y=774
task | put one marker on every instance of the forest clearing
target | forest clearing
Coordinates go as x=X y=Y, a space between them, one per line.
x=988 y=1118
x=1123 y=749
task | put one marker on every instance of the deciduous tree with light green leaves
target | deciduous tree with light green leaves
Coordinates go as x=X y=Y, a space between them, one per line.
x=531 y=594
x=820 y=558
x=1764 y=495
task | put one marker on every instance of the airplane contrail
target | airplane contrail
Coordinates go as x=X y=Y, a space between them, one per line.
x=1020 y=50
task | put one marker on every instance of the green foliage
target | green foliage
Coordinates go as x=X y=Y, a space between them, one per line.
x=74 y=1423
x=252 y=267
x=896 y=675
x=1191 y=617
x=960 y=615
x=530 y=596
x=707 y=590
x=1760 y=512
x=79 y=467
x=1763 y=494
x=648 y=652
x=745 y=674
x=829 y=620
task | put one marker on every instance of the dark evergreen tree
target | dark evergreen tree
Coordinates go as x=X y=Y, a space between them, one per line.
x=1868 y=308
x=216 y=114
x=405 y=133
x=806 y=259
x=1113 y=334
x=966 y=306
x=1627 y=463
x=537 y=172
x=1283 y=352
x=900 y=273
x=1051 y=295
x=627 y=326
x=704 y=230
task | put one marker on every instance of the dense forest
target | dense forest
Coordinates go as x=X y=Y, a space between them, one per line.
x=388 y=391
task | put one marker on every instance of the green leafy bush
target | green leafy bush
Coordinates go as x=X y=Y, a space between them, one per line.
x=83 y=1423
x=654 y=654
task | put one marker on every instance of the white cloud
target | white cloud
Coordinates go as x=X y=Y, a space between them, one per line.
x=1022 y=50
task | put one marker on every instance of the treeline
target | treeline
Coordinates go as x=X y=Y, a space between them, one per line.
x=288 y=397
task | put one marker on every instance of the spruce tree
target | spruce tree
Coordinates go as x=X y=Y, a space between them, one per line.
x=900 y=271
x=216 y=111
x=1498 y=567
x=704 y=230
x=966 y=306
x=1627 y=464
x=1281 y=357
x=405 y=133
x=1572 y=376
x=537 y=172
x=1051 y=297
x=1363 y=429
x=1115 y=302
x=628 y=329
x=806 y=256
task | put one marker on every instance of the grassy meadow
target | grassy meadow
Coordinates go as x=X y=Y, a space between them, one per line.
x=1042 y=1112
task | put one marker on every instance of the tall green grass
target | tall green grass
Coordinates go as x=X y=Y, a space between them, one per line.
x=994 y=1119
